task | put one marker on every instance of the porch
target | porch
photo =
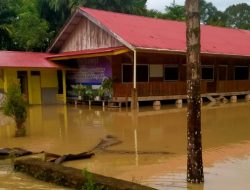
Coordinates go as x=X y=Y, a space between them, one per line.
x=150 y=91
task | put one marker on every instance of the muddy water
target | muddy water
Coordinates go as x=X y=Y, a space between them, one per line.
x=154 y=143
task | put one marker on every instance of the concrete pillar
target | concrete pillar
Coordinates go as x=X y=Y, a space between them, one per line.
x=179 y=103
x=157 y=103
x=247 y=98
x=233 y=99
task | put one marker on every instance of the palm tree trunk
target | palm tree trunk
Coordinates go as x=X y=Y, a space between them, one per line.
x=194 y=145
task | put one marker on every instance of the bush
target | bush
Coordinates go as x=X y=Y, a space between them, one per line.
x=89 y=183
x=14 y=105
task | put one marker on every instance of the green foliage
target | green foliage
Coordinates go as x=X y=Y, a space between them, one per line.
x=7 y=15
x=14 y=105
x=105 y=90
x=89 y=183
x=79 y=90
x=175 y=12
x=29 y=31
x=208 y=12
x=86 y=92
x=155 y=14
x=238 y=16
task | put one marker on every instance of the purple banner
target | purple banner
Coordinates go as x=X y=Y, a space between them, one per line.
x=91 y=71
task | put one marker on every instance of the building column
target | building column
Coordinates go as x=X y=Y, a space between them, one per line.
x=134 y=97
x=64 y=87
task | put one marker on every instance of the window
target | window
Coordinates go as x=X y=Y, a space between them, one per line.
x=207 y=72
x=35 y=73
x=23 y=80
x=127 y=73
x=141 y=73
x=241 y=73
x=171 y=72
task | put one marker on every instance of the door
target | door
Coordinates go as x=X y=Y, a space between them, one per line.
x=35 y=87
x=23 y=80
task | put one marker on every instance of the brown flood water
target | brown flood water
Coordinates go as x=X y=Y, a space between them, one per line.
x=66 y=129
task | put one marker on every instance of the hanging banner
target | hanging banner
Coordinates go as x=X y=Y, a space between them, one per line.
x=90 y=71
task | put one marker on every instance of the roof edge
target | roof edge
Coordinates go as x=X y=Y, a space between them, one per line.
x=180 y=52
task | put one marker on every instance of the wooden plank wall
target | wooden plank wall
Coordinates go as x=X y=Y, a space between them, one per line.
x=159 y=87
x=87 y=35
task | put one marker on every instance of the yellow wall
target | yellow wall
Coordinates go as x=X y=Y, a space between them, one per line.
x=1 y=79
x=10 y=75
x=1 y=84
x=49 y=79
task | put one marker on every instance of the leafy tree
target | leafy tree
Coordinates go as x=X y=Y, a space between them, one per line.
x=7 y=15
x=55 y=12
x=238 y=16
x=219 y=19
x=29 y=31
x=155 y=14
x=208 y=12
x=15 y=106
x=175 y=12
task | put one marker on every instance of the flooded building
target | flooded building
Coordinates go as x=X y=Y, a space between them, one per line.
x=38 y=77
x=145 y=57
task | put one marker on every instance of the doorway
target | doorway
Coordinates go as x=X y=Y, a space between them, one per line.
x=22 y=77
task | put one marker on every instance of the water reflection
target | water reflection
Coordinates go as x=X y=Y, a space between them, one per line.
x=69 y=129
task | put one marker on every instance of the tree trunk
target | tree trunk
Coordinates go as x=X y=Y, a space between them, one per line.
x=194 y=145
x=20 y=129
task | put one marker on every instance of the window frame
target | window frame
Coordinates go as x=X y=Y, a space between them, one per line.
x=207 y=66
x=241 y=66
x=136 y=71
x=171 y=66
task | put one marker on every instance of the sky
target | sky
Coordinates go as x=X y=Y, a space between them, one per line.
x=219 y=4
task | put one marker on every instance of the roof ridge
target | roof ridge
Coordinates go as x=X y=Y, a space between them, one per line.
x=161 y=19
x=126 y=14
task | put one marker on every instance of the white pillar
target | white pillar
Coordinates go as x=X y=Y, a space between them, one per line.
x=134 y=98
x=178 y=103
x=233 y=99
x=247 y=98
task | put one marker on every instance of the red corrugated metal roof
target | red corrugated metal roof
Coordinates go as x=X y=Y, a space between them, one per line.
x=143 y=32
x=25 y=60
x=91 y=52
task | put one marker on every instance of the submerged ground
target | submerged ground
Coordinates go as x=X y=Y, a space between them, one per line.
x=153 y=148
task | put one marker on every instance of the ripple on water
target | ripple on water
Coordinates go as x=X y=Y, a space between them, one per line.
x=230 y=175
